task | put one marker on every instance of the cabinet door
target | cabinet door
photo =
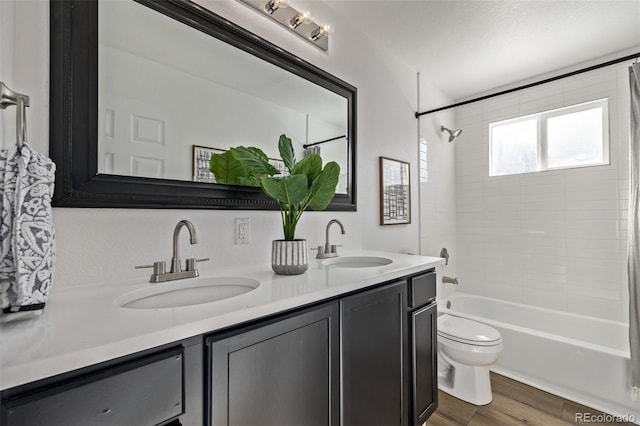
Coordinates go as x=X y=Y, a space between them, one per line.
x=145 y=392
x=283 y=373
x=374 y=355
x=424 y=367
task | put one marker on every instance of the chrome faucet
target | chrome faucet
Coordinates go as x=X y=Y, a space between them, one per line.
x=329 y=250
x=176 y=273
x=193 y=239
x=449 y=280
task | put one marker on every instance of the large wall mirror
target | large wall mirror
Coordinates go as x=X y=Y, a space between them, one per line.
x=143 y=92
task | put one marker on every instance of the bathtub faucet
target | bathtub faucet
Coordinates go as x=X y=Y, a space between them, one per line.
x=449 y=280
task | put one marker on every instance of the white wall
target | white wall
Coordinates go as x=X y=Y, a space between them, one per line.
x=7 y=13
x=209 y=89
x=24 y=64
x=215 y=118
x=99 y=245
x=555 y=239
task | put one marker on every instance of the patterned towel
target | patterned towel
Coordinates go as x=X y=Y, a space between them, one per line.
x=27 y=237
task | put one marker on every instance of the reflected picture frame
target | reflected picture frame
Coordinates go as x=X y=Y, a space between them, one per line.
x=201 y=158
x=395 y=192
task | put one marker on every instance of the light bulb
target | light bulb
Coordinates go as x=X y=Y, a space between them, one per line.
x=273 y=5
x=320 y=32
x=299 y=19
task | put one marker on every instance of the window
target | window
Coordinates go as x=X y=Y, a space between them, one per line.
x=424 y=170
x=574 y=136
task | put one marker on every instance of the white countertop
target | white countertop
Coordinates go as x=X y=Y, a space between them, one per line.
x=83 y=326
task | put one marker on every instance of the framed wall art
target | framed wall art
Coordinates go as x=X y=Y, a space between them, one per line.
x=395 y=192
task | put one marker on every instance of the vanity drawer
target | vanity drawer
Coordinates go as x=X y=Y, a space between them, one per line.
x=422 y=288
x=147 y=391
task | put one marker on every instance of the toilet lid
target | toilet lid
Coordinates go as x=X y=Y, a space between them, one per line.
x=466 y=331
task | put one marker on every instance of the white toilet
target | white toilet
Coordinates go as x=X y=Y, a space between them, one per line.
x=466 y=349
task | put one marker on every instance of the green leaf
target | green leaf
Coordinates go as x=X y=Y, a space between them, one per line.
x=308 y=185
x=285 y=147
x=227 y=169
x=258 y=152
x=249 y=181
x=287 y=190
x=289 y=221
x=253 y=160
x=311 y=167
x=323 y=187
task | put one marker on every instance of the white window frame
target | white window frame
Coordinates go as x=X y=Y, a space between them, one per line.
x=542 y=143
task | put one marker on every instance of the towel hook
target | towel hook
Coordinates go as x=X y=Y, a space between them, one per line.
x=7 y=98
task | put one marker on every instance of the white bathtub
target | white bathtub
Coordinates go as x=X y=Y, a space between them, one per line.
x=577 y=357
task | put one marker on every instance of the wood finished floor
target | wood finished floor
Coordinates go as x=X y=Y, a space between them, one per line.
x=514 y=403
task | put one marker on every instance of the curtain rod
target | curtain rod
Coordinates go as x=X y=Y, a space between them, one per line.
x=537 y=83
x=307 y=145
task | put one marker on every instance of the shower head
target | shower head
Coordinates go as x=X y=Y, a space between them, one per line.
x=452 y=133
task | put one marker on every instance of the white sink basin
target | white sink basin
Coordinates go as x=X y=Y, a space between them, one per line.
x=357 y=261
x=192 y=291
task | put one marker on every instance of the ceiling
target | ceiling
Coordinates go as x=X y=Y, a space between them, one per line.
x=465 y=47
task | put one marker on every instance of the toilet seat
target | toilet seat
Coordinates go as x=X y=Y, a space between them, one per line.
x=447 y=345
x=466 y=331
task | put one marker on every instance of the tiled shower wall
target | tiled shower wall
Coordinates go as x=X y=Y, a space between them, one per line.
x=555 y=239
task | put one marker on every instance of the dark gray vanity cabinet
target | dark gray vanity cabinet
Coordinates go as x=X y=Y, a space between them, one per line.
x=374 y=346
x=424 y=380
x=424 y=346
x=281 y=372
x=364 y=358
x=146 y=391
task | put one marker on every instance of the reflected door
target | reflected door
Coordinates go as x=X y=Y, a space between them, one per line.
x=135 y=139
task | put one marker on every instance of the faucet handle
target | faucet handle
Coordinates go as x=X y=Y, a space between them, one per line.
x=159 y=267
x=334 y=248
x=192 y=262
x=445 y=254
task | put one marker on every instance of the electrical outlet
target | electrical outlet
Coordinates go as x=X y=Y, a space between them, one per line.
x=243 y=230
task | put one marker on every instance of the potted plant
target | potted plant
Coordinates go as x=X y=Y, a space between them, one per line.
x=308 y=185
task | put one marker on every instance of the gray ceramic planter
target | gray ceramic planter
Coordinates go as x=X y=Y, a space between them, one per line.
x=289 y=257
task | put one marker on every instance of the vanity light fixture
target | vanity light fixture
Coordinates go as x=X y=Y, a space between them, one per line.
x=297 y=21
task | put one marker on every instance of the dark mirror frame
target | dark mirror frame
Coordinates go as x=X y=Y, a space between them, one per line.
x=73 y=124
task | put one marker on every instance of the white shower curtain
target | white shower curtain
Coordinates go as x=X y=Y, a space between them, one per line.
x=634 y=231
